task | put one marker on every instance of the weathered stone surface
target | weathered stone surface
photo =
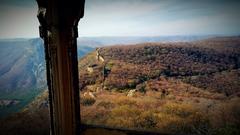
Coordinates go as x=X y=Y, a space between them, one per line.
x=131 y=93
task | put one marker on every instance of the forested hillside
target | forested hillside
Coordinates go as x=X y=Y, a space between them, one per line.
x=175 y=88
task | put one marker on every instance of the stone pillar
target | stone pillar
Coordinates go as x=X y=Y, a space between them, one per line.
x=58 y=28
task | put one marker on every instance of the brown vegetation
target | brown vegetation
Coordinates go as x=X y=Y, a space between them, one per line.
x=180 y=87
x=169 y=115
x=177 y=88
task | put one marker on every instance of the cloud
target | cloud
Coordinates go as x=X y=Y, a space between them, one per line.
x=19 y=3
x=131 y=17
x=154 y=17
x=18 y=21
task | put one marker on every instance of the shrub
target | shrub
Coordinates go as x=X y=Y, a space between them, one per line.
x=185 y=119
x=227 y=130
x=109 y=65
x=122 y=101
x=141 y=88
x=181 y=110
x=168 y=123
x=198 y=123
x=87 y=101
x=155 y=73
x=123 y=116
x=106 y=104
x=226 y=117
x=132 y=83
x=147 y=120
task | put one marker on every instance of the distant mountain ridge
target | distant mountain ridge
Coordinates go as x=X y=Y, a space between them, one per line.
x=106 y=41
x=23 y=72
x=22 y=64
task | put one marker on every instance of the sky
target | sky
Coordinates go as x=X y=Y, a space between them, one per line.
x=131 y=18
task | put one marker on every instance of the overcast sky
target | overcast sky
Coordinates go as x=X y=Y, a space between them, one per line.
x=132 y=18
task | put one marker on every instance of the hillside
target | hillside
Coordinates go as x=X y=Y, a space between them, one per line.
x=131 y=65
x=23 y=72
x=179 y=87
x=184 y=87
x=22 y=65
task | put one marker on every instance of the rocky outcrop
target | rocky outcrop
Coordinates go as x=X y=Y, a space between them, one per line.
x=6 y=102
x=131 y=93
x=98 y=56
x=90 y=68
x=89 y=94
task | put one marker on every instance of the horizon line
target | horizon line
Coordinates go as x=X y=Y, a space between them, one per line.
x=106 y=36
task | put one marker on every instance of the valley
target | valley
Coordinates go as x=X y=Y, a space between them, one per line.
x=23 y=72
x=168 y=87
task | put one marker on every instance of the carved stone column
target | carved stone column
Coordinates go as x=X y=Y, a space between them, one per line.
x=58 y=28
